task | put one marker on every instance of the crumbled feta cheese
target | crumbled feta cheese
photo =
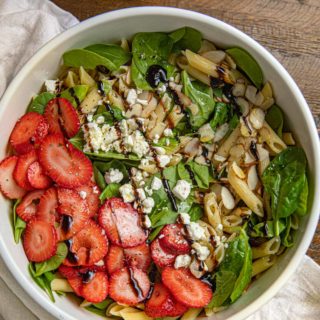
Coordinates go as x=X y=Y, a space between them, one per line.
x=132 y=97
x=156 y=183
x=168 y=132
x=82 y=194
x=141 y=194
x=162 y=89
x=132 y=125
x=146 y=222
x=149 y=191
x=202 y=252
x=145 y=174
x=128 y=142
x=163 y=160
x=226 y=245
x=182 y=261
x=90 y=117
x=196 y=231
x=100 y=120
x=156 y=138
x=160 y=150
x=182 y=189
x=185 y=218
x=140 y=146
x=148 y=205
x=51 y=85
x=113 y=176
x=144 y=162
x=127 y=192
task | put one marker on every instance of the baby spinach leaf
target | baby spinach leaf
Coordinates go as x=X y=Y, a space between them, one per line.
x=247 y=64
x=114 y=164
x=111 y=190
x=168 y=144
x=39 y=103
x=107 y=156
x=183 y=172
x=75 y=94
x=234 y=121
x=18 y=224
x=201 y=174
x=98 y=177
x=149 y=48
x=287 y=235
x=154 y=233
x=202 y=99
x=104 y=304
x=54 y=262
x=196 y=212
x=186 y=38
x=114 y=53
x=96 y=311
x=171 y=174
x=78 y=140
x=274 y=118
x=303 y=199
x=220 y=115
x=163 y=217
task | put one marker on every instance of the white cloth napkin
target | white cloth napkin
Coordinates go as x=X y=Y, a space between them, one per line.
x=25 y=26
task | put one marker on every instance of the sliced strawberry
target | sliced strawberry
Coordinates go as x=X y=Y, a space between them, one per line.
x=90 y=193
x=28 y=132
x=20 y=172
x=65 y=164
x=39 y=241
x=74 y=212
x=129 y=286
x=27 y=209
x=178 y=309
x=138 y=256
x=47 y=208
x=185 y=288
x=37 y=178
x=76 y=285
x=68 y=272
x=160 y=256
x=90 y=245
x=8 y=185
x=160 y=303
x=96 y=290
x=172 y=238
x=115 y=259
x=62 y=116
x=122 y=223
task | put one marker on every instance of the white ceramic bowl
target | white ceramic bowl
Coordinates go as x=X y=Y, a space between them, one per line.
x=111 y=27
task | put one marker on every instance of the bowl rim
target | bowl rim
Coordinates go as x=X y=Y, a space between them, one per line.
x=110 y=16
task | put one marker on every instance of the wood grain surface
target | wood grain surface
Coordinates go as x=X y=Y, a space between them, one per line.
x=289 y=29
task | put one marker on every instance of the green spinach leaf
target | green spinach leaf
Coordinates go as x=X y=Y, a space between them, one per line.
x=78 y=91
x=202 y=99
x=98 y=177
x=18 y=224
x=274 y=118
x=220 y=117
x=201 y=174
x=303 y=199
x=111 y=190
x=186 y=38
x=39 y=103
x=78 y=140
x=196 y=212
x=107 y=156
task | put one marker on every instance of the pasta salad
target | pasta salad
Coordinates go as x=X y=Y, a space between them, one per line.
x=154 y=178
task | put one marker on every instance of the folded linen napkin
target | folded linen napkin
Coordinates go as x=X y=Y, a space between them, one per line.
x=26 y=25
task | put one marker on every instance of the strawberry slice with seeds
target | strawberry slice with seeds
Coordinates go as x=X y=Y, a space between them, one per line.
x=20 y=172
x=172 y=238
x=68 y=272
x=160 y=256
x=62 y=116
x=37 y=177
x=63 y=163
x=115 y=259
x=47 y=208
x=89 y=245
x=121 y=223
x=76 y=285
x=74 y=213
x=27 y=209
x=129 y=286
x=178 y=309
x=185 y=288
x=28 y=132
x=96 y=290
x=90 y=193
x=8 y=185
x=39 y=240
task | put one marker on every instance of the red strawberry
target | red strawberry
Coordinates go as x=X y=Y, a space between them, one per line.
x=90 y=245
x=173 y=240
x=74 y=211
x=129 y=286
x=28 y=207
x=90 y=193
x=39 y=241
x=37 y=177
x=65 y=164
x=185 y=288
x=76 y=284
x=60 y=113
x=122 y=223
x=96 y=290
x=178 y=309
x=20 y=172
x=69 y=272
x=160 y=256
x=118 y=257
x=28 y=132
x=8 y=185
x=160 y=304
x=48 y=205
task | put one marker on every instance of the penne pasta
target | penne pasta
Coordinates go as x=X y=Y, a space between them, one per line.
x=262 y=264
x=269 y=247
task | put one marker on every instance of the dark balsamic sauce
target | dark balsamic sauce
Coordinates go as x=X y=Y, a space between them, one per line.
x=169 y=193
x=155 y=75
x=152 y=277
x=191 y=174
x=102 y=69
x=66 y=222
x=87 y=276
x=207 y=278
x=101 y=88
x=205 y=154
x=71 y=257
x=253 y=149
x=216 y=83
x=74 y=96
x=135 y=285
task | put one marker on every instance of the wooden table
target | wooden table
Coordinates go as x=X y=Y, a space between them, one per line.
x=288 y=28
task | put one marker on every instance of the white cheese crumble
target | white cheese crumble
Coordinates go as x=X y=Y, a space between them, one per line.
x=148 y=205
x=156 y=183
x=182 y=189
x=90 y=117
x=185 y=218
x=82 y=194
x=149 y=191
x=132 y=97
x=168 y=132
x=196 y=231
x=113 y=176
x=163 y=160
x=202 y=252
x=100 y=120
x=160 y=150
x=51 y=85
x=182 y=261
x=146 y=222
x=127 y=192
x=141 y=194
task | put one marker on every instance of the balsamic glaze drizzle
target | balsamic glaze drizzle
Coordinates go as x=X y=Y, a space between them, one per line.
x=135 y=284
x=169 y=193
x=87 y=276
x=155 y=75
x=253 y=149
x=74 y=96
x=191 y=174
x=66 y=222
